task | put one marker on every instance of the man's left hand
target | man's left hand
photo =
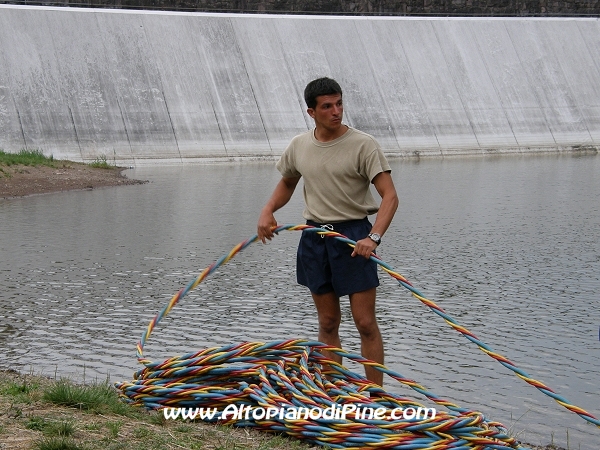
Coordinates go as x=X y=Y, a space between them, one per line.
x=364 y=247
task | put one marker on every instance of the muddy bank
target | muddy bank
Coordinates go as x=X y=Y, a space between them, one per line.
x=21 y=180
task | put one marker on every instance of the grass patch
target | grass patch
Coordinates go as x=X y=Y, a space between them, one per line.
x=36 y=158
x=57 y=443
x=100 y=163
x=20 y=390
x=114 y=428
x=63 y=428
x=36 y=423
x=26 y=158
x=19 y=393
x=98 y=398
x=51 y=428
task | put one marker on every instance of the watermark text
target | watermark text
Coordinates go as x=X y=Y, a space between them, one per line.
x=333 y=412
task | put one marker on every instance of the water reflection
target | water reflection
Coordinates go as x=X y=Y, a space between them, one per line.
x=508 y=247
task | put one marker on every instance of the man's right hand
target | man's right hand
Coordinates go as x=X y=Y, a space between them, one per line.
x=281 y=195
x=266 y=223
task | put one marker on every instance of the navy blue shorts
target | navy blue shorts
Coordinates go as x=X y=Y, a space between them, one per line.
x=324 y=264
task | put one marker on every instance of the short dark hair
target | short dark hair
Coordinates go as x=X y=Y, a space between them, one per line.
x=320 y=86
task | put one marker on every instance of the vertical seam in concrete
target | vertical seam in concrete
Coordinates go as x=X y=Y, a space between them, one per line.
x=591 y=56
x=289 y=71
x=117 y=93
x=63 y=94
x=75 y=131
x=383 y=97
x=259 y=112
x=210 y=74
x=437 y=38
x=251 y=87
x=568 y=88
x=170 y=120
x=527 y=75
x=432 y=127
x=487 y=69
x=125 y=128
x=212 y=105
x=583 y=116
x=162 y=90
x=20 y=122
x=12 y=96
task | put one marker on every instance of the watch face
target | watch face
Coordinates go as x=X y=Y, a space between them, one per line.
x=375 y=237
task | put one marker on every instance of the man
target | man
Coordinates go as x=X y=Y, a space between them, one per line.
x=338 y=164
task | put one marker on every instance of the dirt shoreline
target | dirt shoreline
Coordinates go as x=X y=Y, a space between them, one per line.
x=21 y=181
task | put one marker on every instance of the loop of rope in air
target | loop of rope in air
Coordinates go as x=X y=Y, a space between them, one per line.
x=294 y=374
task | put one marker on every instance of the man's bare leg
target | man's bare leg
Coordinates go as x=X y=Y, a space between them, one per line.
x=362 y=305
x=329 y=316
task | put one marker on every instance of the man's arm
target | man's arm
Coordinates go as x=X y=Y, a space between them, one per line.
x=281 y=195
x=389 y=203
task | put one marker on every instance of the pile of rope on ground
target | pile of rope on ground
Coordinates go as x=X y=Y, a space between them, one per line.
x=305 y=395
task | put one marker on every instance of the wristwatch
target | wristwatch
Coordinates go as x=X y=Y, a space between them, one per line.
x=375 y=238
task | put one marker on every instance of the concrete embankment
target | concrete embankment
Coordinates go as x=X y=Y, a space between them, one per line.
x=139 y=86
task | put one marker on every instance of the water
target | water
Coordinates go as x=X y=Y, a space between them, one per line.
x=508 y=247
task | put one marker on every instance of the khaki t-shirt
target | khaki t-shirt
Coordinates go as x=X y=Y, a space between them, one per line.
x=337 y=174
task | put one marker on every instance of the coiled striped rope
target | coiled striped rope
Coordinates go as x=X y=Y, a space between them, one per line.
x=293 y=374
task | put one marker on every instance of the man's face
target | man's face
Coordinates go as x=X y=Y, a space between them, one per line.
x=328 y=112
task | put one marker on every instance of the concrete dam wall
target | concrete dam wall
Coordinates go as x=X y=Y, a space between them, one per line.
x=139 y=87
